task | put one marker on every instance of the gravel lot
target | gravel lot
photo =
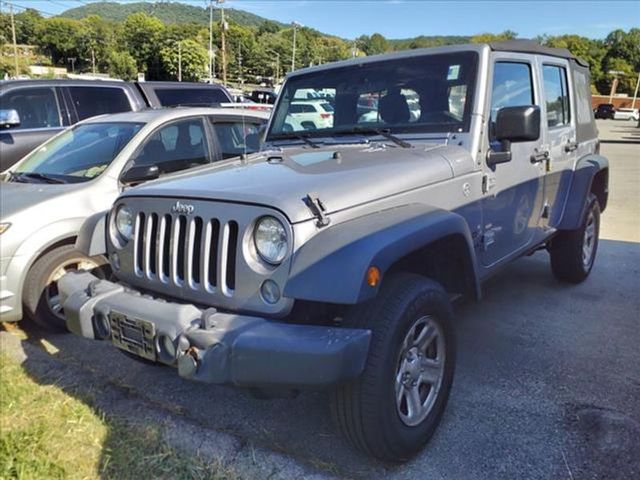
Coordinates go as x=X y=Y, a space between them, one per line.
x=547 y=385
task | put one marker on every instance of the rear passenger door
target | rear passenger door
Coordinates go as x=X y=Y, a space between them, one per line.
x=559 y=133
x=42 y=114
x=90 y=101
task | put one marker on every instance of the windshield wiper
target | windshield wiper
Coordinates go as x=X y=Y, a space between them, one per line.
x=377 y=131
x=298 y=136
x=40 y=176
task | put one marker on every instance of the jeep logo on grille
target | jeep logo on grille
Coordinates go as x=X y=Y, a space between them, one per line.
x=182 y=208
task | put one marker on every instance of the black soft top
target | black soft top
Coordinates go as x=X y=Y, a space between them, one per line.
x=529 y=46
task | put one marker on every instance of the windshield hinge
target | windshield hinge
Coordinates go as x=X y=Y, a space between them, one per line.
x=318 y=209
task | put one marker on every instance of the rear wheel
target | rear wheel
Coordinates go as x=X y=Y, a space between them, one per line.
x=573 y=252
x=394 y=407
x=40 y=295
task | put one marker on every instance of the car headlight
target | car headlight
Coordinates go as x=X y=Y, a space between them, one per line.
x=270 y=238
x=4 y=227
x=124 y=222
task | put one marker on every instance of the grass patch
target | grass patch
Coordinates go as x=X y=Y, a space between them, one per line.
x=47 y=433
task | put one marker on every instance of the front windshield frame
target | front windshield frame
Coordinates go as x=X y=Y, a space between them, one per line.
x=321 y=80
x=36 y=161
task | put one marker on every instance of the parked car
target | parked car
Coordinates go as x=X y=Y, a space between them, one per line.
x=263 y=96
x=605 y=111
x=310 y=114
x=330 y=258
x=627 y=114
x=38 y=109
x=46 y=196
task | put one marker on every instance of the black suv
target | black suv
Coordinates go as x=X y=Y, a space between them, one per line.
x=45 y=107
x=605 y=110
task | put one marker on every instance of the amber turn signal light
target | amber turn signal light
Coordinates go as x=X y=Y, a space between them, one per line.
x=373 y=276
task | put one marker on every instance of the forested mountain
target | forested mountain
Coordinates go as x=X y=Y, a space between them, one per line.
x=167 y=12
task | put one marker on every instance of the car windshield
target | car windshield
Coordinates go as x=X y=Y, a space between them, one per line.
x=79 y=154
x=424 y=94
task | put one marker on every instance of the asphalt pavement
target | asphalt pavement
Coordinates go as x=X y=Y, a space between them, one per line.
x=547 y=383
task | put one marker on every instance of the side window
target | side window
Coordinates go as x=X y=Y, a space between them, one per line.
x=556 y=95
x=175 y=147
x=512 y=86
x=92 y=101
x=37 y=107
x=236 y=138
x=171 y=97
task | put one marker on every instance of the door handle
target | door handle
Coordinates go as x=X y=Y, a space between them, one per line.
x=571 y=146
x=539 y=156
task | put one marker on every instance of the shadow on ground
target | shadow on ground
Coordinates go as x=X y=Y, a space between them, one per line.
x=547 y=385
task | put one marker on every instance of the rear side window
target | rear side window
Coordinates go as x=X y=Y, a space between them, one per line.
x=236 y=138
x=556 y=95
x=37 y=107
x=92 y=101
x=171 y=97
x=512 y=86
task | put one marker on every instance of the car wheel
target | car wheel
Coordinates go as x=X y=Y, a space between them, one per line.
x=40 y=295
x=394 y=407
x=573 y=252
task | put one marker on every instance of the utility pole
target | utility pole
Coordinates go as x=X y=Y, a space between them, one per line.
x=179 y=61
x=293 y=53
x=15 y=44
x=93 y=61
x=73 y=63
x=240 y=78
x=211 y=58
x=223 y=28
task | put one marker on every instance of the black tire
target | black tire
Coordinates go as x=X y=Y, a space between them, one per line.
x=569 y=261
x=365 y=410
x=39 y=289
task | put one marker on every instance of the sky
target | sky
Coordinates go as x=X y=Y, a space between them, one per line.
x=410 y=18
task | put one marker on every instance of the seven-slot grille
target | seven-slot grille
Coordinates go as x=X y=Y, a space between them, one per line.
x=189 y=252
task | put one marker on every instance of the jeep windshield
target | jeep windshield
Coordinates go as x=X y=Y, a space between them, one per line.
x=415 y=94
x=77 y=155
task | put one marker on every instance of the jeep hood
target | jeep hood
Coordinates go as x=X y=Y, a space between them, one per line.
x=341 y=177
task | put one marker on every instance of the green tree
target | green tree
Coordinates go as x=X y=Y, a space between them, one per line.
x=122 y=65
x=494 y=37
x=190 y=54
x=142 y=36
x=27 y=26
x=374 y=44
x=60 y=37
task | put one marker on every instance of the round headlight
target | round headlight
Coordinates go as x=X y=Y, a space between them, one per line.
x=270 y=238
x=124 y=222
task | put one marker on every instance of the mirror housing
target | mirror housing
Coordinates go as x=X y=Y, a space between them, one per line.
x=140 y=173
x=9 y=118
x=514 y=124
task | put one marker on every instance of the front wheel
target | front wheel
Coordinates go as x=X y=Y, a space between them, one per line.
x=394 y=407
x=40 y=295
x=573 y=252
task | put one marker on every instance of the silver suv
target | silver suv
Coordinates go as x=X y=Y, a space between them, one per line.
x=329 y=259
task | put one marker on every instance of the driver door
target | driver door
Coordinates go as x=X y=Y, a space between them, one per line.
x=512 y=202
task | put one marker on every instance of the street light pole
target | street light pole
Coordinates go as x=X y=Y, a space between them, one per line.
x=223 y=28
x=211 y=58
x=635 y=94
x=293 y=53
x=179 y=61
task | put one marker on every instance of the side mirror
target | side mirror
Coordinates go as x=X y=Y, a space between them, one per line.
x=514 y=124
x=9 y=118
x=140 y=173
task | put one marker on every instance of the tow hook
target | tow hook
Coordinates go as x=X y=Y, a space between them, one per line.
x=188 y=362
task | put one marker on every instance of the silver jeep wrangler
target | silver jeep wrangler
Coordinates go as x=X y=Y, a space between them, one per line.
x=330 y=259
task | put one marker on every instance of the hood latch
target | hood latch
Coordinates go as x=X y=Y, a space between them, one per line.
x=317 y=208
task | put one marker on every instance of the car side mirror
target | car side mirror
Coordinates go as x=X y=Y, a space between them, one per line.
x=9 y=118
x=514 y=124
x=140 y=173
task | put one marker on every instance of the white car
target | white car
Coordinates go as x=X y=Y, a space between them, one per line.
x=626 y=114
x=310 y=115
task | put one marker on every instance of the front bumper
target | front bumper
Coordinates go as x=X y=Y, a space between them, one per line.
x=216 y=347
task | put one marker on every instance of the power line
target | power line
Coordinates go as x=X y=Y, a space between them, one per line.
x=43 y=12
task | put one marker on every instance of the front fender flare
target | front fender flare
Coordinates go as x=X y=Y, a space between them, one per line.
x=332 y=266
